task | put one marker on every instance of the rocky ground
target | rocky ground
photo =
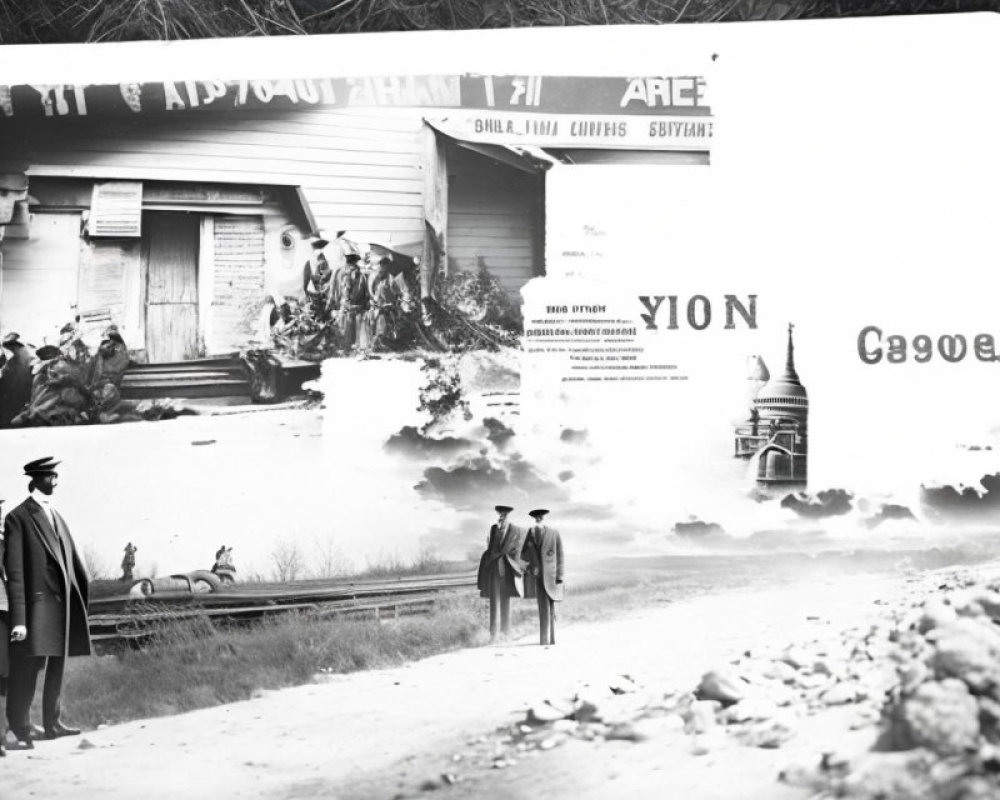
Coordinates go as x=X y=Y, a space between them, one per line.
x=853 y=686
x=904 y=705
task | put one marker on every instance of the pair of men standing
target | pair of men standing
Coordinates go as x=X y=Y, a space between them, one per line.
x=47 y=592
x=520 y=563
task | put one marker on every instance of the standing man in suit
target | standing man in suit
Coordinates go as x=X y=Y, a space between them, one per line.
x=47 y=586
x=15 y=378
x=543 y=552
x=501 y=570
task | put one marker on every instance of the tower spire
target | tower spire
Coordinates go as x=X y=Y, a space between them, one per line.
x=790 y=358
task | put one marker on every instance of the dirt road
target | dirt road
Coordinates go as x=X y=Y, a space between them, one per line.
x=384 y=733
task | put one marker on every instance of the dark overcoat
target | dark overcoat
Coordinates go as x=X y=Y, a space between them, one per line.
x=15 y=383
x=508 y=549
x=4 y=621
x=43 y=596
x=543 y=551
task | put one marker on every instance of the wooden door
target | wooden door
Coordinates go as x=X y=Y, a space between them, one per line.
x=171 y=241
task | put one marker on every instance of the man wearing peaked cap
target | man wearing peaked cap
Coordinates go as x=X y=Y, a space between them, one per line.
x=48 y=588
x=41 y=466
x=501 y=570
x=543 y=552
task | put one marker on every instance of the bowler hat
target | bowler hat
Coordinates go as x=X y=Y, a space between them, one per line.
x=538 y=513
x=41 y=466
x=12 y=340
x=503 y=509
x=320 y=239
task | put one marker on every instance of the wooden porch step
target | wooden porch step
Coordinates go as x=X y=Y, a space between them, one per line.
x=166 y=378
x=218 y=380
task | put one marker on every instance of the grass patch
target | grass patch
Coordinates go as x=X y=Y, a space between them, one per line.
x=199 y=664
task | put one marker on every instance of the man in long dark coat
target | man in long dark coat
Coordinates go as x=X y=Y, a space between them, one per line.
x=501 y=570
x=543 y=552
x=15 y=378
x=350 y=298
x=47 y=585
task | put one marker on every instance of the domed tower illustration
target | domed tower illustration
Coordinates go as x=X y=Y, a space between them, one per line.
x=777 y=432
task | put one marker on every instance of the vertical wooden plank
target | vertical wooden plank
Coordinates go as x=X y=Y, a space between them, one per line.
x=133 y=292
x=434 y=166
x=206 y=275
x=538 y=238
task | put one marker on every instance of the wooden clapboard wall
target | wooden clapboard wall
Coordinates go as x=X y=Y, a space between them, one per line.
x=493 y=218
x=359 y=168
x=39 y=288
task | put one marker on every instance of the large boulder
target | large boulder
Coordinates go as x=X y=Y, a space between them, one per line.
x=969 y=650
x=941 y=716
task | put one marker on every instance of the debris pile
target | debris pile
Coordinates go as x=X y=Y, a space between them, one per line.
x=939 y=731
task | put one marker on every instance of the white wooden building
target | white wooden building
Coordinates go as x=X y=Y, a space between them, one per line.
x=176 y=224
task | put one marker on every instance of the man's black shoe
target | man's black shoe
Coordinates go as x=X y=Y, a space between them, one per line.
x=58 y=730
x=13 y=741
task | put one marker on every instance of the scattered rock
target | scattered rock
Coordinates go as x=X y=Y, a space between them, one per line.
x=701 y=717
x=545 y=712
x=768 y=735
x=781 y=671
x=584 y=711
x=725 y=687
x=841 y=694
x=899 y=776
x=810 y=680
x=936 y=614
x=912 y=674
x=750 y=709
x=989 y=601
x=797 y=657
x=86 y=744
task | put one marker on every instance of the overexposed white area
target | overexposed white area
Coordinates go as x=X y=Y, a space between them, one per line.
x=853 y=182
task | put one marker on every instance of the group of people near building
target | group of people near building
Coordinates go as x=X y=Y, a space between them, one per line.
x=359 y=304
x=44 y=591
x=62 y=384
x=526 y=563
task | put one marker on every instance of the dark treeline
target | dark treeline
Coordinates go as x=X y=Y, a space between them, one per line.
x=125 y=20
